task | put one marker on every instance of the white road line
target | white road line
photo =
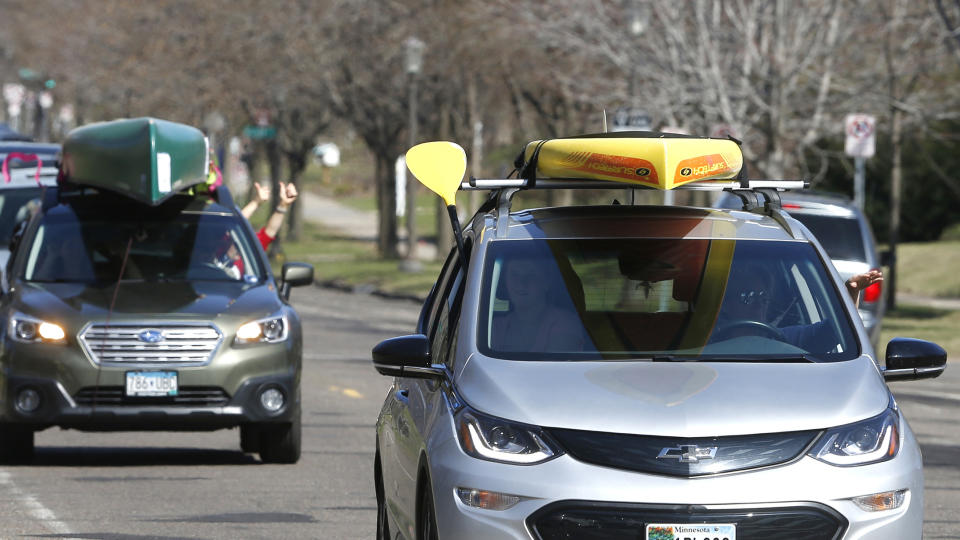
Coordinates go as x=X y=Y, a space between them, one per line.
x=37 y=511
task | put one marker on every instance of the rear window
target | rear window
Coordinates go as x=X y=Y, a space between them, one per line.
x=679 y=299
x=840 y=236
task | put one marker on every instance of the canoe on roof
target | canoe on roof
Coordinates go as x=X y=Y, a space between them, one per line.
x=647 y=158
x=146 y=159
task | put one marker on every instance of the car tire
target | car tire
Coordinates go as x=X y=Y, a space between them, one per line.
x=16 y=444
x=427 y=517
x=280 y=443
x=383 y=526
x=249 y=438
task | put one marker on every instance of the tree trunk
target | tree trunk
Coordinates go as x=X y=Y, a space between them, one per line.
x=387 y=207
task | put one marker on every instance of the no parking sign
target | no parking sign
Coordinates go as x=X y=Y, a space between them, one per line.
x=861 y=139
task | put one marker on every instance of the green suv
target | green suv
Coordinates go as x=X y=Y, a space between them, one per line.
x=126 y=315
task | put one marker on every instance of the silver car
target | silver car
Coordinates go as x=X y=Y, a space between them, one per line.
x=647 y=373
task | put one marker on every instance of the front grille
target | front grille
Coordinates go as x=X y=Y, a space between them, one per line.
x=190 y=396
x=168 y=344
x=687 y=456
x=583 y=520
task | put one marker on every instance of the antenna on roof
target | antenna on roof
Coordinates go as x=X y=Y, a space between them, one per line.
x=605 y=121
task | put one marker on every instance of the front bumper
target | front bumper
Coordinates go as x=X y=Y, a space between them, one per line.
x=75 y=393
x=107 y=410
x=565 y=498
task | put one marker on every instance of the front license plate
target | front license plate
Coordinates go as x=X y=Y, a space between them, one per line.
x=691 y=531
x=151 y=383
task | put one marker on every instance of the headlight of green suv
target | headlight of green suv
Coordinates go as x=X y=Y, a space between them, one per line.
x=270 y=330
x=27 y=329
x=496 y=439
x=869 y=441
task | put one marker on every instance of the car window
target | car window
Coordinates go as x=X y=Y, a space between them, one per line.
x=446 y=310
x=840 y=236
x=14 y=208
x=186 y=247
x=683 y=298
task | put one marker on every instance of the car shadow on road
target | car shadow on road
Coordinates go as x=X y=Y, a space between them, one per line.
x=78 y=456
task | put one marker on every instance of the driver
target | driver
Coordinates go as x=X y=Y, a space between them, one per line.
x=753 y=297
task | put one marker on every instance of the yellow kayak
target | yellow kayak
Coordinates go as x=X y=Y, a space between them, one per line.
x=662 y=163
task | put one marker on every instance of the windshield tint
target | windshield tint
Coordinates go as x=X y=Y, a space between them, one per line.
x=840 y=236
x=661 y=299
x=184 y=247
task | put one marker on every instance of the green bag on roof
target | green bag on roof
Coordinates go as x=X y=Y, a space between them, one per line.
x=146 y=159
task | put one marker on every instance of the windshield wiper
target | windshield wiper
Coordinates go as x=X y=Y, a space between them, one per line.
x=791 y=359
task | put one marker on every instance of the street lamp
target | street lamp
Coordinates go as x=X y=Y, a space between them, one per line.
x=414 y=63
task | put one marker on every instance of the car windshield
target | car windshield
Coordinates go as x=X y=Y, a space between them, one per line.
x=188 y=246
x=661 y=299
x=840 y=236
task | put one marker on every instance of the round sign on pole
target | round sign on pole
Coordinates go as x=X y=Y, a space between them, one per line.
x=861 y=136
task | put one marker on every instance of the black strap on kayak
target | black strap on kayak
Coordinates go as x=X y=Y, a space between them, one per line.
x=528 y=170
x=113 y=301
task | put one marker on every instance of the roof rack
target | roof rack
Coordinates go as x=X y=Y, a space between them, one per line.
x=481 y=184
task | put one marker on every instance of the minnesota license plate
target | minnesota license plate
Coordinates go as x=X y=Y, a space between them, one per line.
x=151 y=383
x=692 y=531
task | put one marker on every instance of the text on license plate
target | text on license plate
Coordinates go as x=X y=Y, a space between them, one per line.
x=691 y=531
x=151 y=383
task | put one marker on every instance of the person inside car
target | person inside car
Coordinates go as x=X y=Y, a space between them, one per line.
x=541 y=316
x=756 y=303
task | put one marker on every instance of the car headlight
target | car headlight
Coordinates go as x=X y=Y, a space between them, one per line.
x=496 y=439
x=31 y=330
x=270 y=330
x=870 y=441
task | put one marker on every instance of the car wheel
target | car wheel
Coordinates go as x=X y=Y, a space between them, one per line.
x=383 y=527
x=249 y=438
x=16 y=444
x=427 y=520
x=280 y=443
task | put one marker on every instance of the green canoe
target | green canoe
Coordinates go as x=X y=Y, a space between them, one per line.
x=146 y=159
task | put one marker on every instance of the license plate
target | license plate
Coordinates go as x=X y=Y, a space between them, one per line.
x=151 y=383
x=691 y=531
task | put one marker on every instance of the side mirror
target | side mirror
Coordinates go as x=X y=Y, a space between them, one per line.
x=406 y=356
x=295 y=274
x=911 y=359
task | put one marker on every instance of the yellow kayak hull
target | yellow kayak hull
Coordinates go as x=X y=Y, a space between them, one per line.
x=662 y=163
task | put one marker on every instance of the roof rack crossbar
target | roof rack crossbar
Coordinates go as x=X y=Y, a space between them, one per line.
x=479 y=184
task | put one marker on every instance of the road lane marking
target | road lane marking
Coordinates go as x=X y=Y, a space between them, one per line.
x=37 y=511
x=349 y=392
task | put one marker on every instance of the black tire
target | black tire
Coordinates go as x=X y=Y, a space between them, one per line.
x=280 y=443
x=383 y=525
x=16 y=444
x=249 y=438
x=427 y=516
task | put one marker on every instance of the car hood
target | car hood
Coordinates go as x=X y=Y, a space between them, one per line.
x=206 y=300
x=675 y=399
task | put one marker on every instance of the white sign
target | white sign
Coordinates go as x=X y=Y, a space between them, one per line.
x=328 y=153
x=861 y=130
x=14 y=93
x=400 y=172
x=631 y=119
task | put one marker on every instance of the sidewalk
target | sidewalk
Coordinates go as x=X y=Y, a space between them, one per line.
x=926 y=301
x=353 y=223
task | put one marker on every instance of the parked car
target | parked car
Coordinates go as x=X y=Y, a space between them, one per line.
x=643 y=372
x=134 y=300
x=844 y=232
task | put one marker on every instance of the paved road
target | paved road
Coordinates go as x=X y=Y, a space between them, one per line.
x=122 y=486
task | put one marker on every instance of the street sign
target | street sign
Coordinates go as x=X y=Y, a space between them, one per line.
x=631 y=119
x=14 y=93
x=861 y=140
x=260 y=132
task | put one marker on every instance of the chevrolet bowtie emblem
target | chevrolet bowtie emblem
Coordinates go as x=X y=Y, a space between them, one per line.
x=688 y=453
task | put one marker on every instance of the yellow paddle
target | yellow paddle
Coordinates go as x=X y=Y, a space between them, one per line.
x=440 y=166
